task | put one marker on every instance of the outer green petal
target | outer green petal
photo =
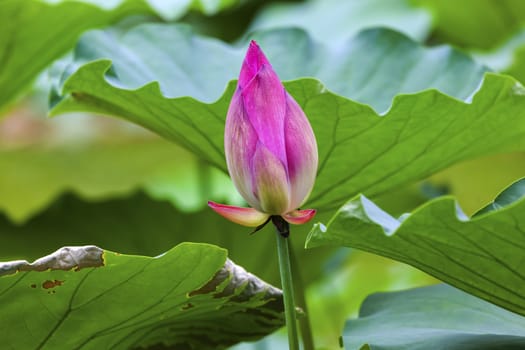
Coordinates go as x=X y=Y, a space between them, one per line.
x=270 y=182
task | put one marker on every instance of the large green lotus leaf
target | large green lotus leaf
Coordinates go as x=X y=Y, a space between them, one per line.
x=333 y=21
x=437 y=317
x=36 y=32
x=483 y=255
x=141 y=225
x=85 y=297
x=360 y=151
x=33 y=177
x=479 y=24
x=372 y=67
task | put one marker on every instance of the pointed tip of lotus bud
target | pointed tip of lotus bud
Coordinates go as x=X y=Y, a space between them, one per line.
x=239 y=215
x=253 y=62
x=254 y=51
x=299 y=217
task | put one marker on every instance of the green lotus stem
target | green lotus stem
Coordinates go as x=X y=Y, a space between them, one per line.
x=300 y=301
x=285 y=270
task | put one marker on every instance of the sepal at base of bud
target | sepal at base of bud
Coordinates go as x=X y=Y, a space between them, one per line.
x=299 y=217
x=242 y=216
x=253 y=218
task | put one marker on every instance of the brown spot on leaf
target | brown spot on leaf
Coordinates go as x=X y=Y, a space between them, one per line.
x=187 y=306
x=33 y=285
x=212 y=284
x=51 y=284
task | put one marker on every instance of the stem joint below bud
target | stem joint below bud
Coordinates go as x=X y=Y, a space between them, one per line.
x=282 y=226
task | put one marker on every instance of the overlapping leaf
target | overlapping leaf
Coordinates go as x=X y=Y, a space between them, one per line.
x=84 y=297
x=437 y=317
x=36 y=32
x=336 y=21
x=483 y=255
x=360 y=151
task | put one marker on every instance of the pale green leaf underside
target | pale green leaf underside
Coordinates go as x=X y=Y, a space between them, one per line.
x=483 y=255
x=437 y=317
x=335 y=21
x=35 y=32
x=359 y=151
x=372 y=67
x=189 y=297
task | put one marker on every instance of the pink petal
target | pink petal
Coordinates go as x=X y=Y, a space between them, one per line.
x=253 y=61
x=301 y=151
x=299 y=217
x=240 y=140
x=264 y=100
x=242 y=216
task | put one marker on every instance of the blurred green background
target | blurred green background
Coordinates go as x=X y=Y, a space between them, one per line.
x=87 y=179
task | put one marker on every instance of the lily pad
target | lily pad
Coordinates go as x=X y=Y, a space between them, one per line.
x=148 y=82
x=437 y=317
x=482 y=255
x=84 y=297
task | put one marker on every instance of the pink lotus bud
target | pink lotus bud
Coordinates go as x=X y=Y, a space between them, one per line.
x=270 y=147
